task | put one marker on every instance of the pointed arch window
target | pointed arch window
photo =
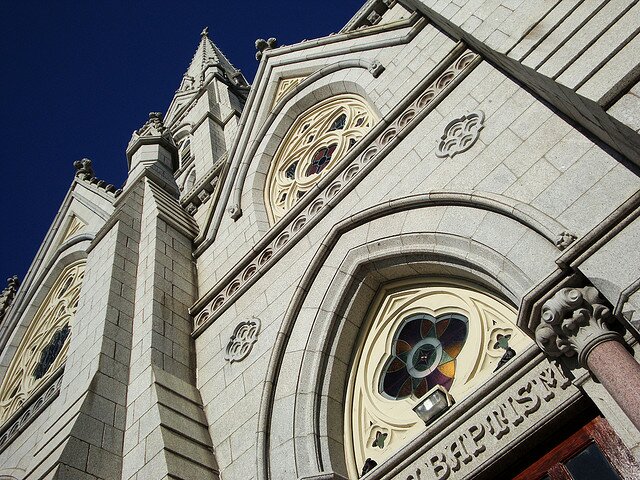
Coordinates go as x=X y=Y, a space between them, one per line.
x=421 y=334
x=43 y=349
x=314 y=144
x=185 y=152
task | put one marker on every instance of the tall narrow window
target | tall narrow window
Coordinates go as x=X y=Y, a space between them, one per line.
x=420 y=335
x=317 y=140
x=185 y=152
x=43 y=348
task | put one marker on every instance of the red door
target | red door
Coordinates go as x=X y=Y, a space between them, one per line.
x=593 y=452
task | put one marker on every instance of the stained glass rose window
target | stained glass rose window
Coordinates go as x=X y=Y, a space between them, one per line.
x=424 y=355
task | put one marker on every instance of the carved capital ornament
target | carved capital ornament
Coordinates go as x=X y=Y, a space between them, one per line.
x=573 y=322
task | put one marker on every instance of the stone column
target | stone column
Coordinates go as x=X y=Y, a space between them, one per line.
x=576 y=322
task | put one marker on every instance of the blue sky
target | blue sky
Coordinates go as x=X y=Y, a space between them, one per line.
x=79 y=77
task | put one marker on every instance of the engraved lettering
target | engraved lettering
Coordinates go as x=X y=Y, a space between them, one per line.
x=464 y=444
x=508 y=416
x=515 y=416
x=418 y=473
x=440 y=467
x=530 y=400
x=477 y=433
x=498 y=423
x=548 y=381
x=457 y=454
x=563 y=382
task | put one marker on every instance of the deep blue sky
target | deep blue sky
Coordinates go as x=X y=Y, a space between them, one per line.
x=79 y=77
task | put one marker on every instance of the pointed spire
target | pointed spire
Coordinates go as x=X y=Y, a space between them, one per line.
x=208 y=55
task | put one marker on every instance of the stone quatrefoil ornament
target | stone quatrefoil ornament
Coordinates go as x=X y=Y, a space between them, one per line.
x=242 y=340
x=460 y=134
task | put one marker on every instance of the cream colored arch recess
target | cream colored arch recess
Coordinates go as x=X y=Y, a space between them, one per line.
x=314 y=144
x=378 y=425
x=44 y=346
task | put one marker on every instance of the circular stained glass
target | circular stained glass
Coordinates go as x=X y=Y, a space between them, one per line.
x=424 y=355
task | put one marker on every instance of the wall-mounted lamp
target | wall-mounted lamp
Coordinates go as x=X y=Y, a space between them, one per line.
x=435 y=402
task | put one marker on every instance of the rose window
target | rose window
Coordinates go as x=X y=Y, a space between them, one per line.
x=424 y=355
x=315 y=143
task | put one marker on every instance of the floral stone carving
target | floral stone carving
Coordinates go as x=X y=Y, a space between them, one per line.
x=242 y=340
x=574 y=321
x=460 y=134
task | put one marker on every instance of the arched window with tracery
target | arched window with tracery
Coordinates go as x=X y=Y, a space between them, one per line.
x=420 y=335
x=43 y=348
x=314 y=144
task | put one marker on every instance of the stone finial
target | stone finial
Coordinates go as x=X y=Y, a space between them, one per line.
x=13 y=283
x=263 y=45
x=84 y=169
x=374 y=18
x=564 y=239
x=7 y=295
x=574 y=321
x=153 y=127
x=235 y=212
x=205 y=32
x=153 y=133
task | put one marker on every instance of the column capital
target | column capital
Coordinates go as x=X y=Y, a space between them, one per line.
x=574 y=321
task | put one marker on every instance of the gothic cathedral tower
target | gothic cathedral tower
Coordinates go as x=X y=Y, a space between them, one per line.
x=407 y=250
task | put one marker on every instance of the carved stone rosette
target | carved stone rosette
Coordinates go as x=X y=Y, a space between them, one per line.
x=460 y=134
x=242 y=340
x=574 y=321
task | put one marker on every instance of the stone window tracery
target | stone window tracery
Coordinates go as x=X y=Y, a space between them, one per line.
x=316 y=141
x=43 y=348
x=420 y=334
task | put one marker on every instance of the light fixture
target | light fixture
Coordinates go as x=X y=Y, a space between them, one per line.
x=435 y=402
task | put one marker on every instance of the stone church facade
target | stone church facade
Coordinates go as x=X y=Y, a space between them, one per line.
x=408 y=250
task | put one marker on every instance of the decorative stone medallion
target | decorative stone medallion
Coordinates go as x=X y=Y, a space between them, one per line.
x=460 y=134
x=242 y=340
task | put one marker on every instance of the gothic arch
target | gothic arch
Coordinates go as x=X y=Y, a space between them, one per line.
x=341 y=282
x=318 y=86
x=316 y=142
x=182 y=132
x=36 y=296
